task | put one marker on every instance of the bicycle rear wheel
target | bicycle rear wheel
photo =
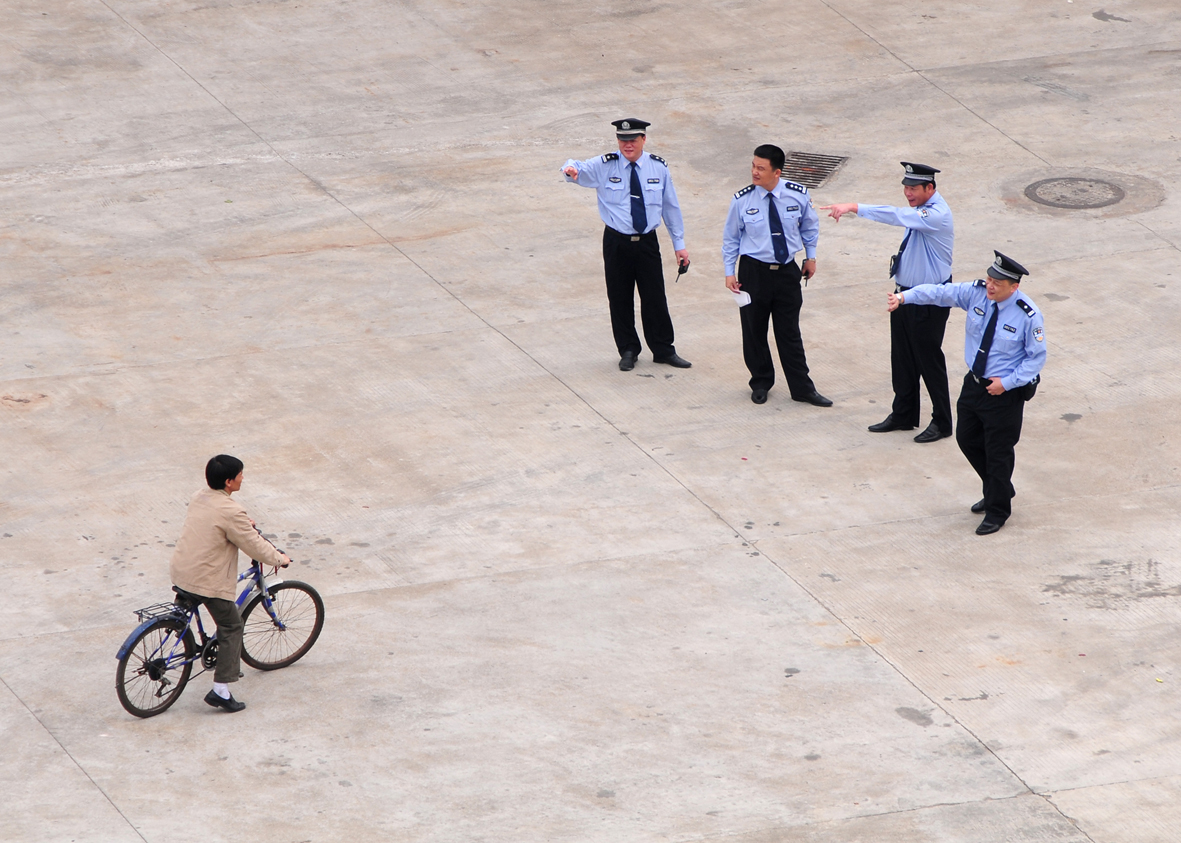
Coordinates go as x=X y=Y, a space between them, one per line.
x=153 y=673
x=270 y=643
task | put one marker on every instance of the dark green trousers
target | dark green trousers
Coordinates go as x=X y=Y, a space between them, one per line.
x=229 y=638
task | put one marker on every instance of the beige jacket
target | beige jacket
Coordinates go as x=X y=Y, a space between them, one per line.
x=205 y=561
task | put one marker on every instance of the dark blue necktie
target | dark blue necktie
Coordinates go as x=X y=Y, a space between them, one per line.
x=985 y=344
x=639 y=218
x=778 y=241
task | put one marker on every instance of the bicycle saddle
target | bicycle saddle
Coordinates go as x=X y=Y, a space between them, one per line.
x=187 y=597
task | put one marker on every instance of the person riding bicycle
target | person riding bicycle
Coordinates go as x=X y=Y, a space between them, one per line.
x=205 y=565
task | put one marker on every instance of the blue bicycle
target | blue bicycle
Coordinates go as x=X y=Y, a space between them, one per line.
x=156 y=660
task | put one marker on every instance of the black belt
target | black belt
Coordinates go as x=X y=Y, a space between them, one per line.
x=978 y=379
x=774 y=267
x=898 y=288
x=634 y=238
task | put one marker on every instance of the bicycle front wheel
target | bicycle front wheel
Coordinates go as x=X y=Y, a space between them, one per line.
x=153 y=673
x=270 y=642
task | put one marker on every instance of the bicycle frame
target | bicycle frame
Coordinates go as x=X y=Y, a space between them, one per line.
x=160 y=611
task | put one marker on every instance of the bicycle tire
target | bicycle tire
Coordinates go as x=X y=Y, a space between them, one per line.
x=267 y=647
x=152 y=675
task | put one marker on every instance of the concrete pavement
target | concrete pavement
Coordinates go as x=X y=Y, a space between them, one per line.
x=564 y=602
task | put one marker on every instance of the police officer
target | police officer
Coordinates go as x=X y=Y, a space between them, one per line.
x=916 y=333
x=635 y=192
x=768 y=223
x=1005 y=349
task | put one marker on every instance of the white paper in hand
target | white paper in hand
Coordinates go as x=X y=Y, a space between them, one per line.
x=741 y=298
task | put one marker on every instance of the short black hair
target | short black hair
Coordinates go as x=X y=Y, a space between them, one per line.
x=771 y=153
x=221 y=468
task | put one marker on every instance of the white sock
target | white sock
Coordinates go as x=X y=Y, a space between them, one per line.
x=222 y=690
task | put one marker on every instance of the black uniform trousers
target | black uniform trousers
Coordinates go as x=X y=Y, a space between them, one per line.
x=632 y=264
x=774 y=295
x=916 y=350
x=987 y=428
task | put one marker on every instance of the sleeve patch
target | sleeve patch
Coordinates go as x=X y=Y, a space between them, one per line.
x=1039 y=335
x=610 y=156
x=657 y=158
x=924 y=213
x=744 y=191
x=798 y=188
x=1024 y=305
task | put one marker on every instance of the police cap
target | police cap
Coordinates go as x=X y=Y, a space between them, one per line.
x=1004 y=268
x=629 y=128
x=918 y=173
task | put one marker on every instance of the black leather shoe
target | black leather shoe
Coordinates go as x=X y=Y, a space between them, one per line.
x=815 y=399
x=229 y=705
x=986 y=527
x=888 y=424
x=932 y=434
x=627 y=362
x=673 y=360
x=978 y=507
x=759 y=396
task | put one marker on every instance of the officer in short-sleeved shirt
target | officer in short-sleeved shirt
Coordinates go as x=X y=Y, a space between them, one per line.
x=635 y=192
x=1005 y=350
x=916 y=333
x=769 y=222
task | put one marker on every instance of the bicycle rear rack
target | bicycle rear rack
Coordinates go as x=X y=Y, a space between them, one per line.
x=160 y=610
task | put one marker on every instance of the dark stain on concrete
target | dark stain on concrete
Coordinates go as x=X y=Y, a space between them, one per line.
x=919 y=718
x=1114 y=584
x=1103 y=16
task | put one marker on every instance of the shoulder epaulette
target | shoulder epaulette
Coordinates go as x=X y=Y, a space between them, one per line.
x=610 y=156
x=657 y=158
x=799 y=188
x=979 y=282
x=1027 y=307
x=744 y=191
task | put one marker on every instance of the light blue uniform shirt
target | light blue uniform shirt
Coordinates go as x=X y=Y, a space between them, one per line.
x=1018 y=350
x=748 y=225
x=927 y=259
x=611 y=175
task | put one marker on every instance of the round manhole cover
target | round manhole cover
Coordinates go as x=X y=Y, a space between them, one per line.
x=1075 y=193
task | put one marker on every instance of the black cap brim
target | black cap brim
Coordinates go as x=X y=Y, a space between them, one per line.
x=997 y=275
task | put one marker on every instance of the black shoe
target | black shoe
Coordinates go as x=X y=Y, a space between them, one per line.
x=229 y=705
x=673 y=360
x=627 y=362
x=759 y=396
x=931 y=434
x=978 y=507
x=889 y=424
x=986 y=527
x=815 y=399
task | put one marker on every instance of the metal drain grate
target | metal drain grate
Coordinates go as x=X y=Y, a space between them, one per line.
x=809 y=169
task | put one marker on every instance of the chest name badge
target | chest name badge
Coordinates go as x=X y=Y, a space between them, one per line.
x=791 y=207
x=1010 y=329
x=653 y=181
x=615 y=179
x=979 y=312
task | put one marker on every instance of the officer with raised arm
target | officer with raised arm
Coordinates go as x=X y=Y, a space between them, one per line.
x=1005 y=350
x=916 y=333
x=635 y=193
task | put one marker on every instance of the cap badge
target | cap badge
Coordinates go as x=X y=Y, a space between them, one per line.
x=625 y=125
